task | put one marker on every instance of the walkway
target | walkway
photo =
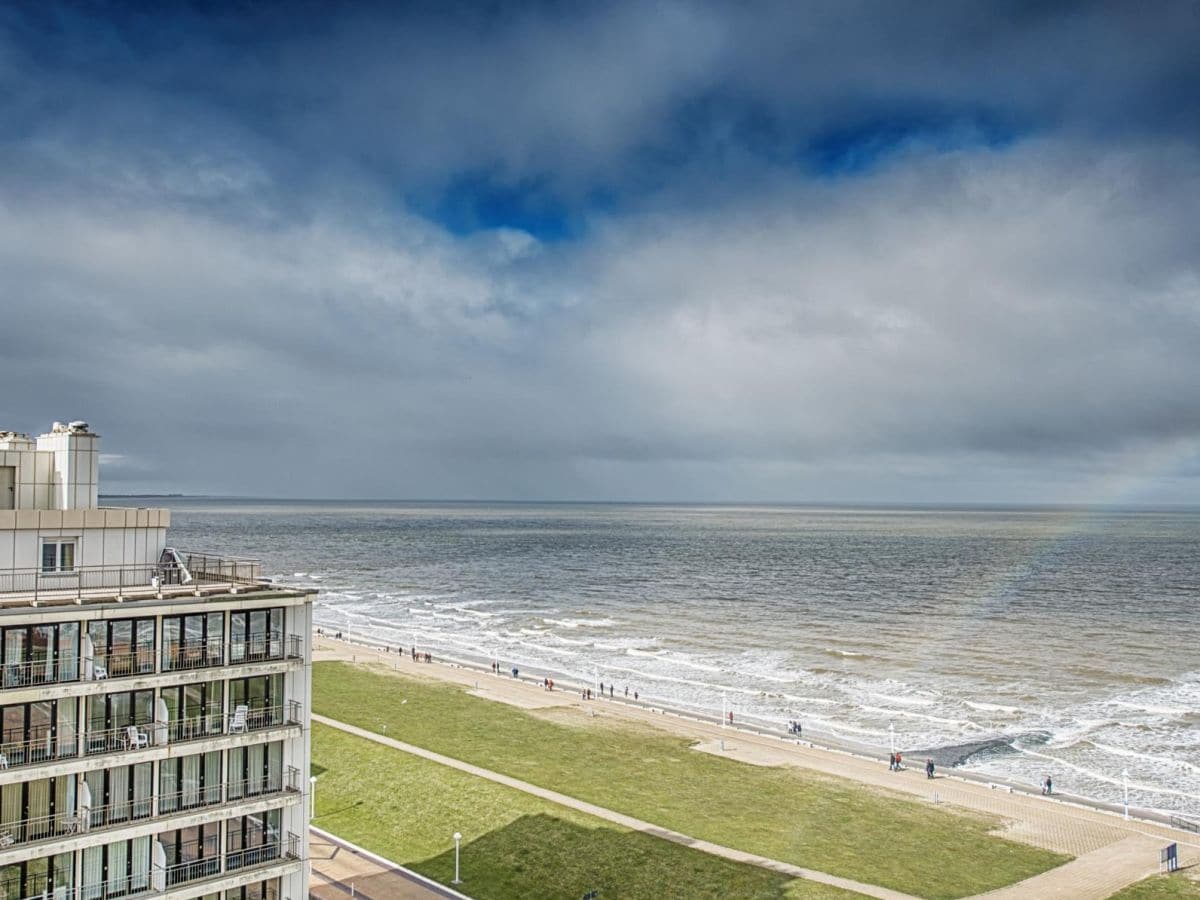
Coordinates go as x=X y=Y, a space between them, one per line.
x=617 y=818
x=340 y=871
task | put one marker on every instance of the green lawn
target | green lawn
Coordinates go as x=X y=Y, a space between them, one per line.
x=514 y=846
x=787 y=814
x=1161 y=887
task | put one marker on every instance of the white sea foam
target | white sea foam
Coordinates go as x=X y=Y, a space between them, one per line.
x=991 y=707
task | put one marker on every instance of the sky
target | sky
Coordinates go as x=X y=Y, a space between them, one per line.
x=938 y=252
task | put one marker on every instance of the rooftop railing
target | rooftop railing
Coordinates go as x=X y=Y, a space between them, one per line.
x=184 y=568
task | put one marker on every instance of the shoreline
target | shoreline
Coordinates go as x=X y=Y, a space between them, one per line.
x=1187 y=830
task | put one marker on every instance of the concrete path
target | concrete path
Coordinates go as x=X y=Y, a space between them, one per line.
x=617 y=818
x=341 y=870
x=1100 y=873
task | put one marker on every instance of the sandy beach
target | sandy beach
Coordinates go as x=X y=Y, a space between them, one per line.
x=1110 y=851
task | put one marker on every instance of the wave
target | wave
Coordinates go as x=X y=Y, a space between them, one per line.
x=587 y=623
x=991 y=707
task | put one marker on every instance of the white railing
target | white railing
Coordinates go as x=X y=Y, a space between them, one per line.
x=76 y=581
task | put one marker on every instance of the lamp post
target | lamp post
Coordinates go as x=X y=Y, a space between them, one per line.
x=457 y=843
x=892 y=737
x=312 y=797
x=1125 y=779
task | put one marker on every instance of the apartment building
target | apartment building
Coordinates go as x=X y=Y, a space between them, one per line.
x=153 y=701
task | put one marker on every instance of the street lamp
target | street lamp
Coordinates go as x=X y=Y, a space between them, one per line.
x=1125 y=778
x=457 y=842
x=312 y=797
x=892 y=737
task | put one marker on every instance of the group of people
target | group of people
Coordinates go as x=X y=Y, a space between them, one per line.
x=897 y=762
x=421 y=657
x=795 y=728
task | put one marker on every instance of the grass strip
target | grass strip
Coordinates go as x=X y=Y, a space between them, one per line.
x=514 y=845
x=788 y=814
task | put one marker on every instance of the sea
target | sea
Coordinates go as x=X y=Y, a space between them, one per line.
x=1021 y=642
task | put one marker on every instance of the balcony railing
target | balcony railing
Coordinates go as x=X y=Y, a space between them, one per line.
x=256 y=647
x=194 y=654
x=178 y=567
x=123 y=663
x=244 y=718
x=36 y=887
x=17 y=750
x=33 y=829
x=41 y=671
x=195 y=728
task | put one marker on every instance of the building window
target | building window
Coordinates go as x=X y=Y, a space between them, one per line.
x=256 y=634
x=122 y=646
x=192 y=853
x=253 y=840
x=40 y=654
x=255 y=770
x=189 y=782
x=193 y=641
x=58 y=556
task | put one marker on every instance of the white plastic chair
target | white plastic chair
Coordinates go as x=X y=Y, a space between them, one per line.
x=237 y=724
x=99 y=672
x=3 y=761
x=138 y=740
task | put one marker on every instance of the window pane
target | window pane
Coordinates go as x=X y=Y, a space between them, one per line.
x=66 y=556
x=68 y=651
x=49 y=557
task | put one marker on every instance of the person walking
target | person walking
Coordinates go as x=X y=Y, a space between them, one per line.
x=929 y=767
x=892 y=763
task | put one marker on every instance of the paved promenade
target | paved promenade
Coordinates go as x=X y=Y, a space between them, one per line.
x=340 y=871
x=1110 y=851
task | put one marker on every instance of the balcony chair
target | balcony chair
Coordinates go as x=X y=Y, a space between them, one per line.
x=137 y=740
x=237 y=724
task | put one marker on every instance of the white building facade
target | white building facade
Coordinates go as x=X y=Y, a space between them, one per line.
x=154 y=703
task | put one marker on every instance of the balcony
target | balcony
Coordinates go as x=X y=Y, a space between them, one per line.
x=42 y=747
x=245 y=718
x=38 y=829
x=178 y=572
x=193 y=654
x=39 y=672
x=123 y=664
x=17 y=751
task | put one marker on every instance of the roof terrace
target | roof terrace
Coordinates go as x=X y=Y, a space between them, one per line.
x=176 y=573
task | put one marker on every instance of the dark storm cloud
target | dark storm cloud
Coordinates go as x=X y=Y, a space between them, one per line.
x=675 y=250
